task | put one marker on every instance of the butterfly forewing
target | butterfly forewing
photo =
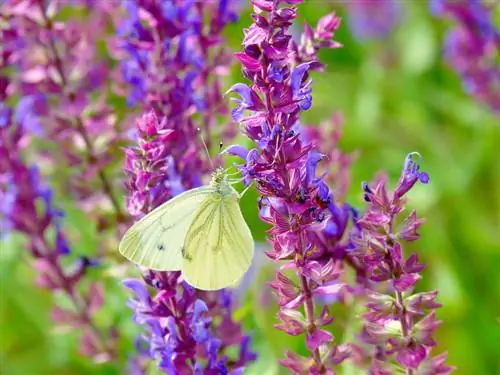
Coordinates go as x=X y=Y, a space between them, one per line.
x=156 y=241
x=218 y=248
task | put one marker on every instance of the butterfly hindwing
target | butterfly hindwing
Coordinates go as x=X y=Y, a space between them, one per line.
x=218 y=248
x=156 y=241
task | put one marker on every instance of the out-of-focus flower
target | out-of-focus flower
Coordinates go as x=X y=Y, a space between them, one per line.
x=397 y=323
x=335 y=165
x=27 y=206
x=373 y=19
x=472 y=47
x=60 y=81
x=307 y=225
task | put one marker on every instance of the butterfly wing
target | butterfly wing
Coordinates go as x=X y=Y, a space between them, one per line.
x=219 y=247
x=156 y=241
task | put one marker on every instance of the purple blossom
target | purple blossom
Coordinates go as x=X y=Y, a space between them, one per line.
x=397 y=323
x=27 y=206
x=56 y=62
x=180 y=332
x=293 y=200
x=313 y=40
x=334 y=166
x=472 y=47
x=157 y=42
x=373 y=19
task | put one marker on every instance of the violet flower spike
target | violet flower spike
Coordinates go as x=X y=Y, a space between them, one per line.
x=28 y=208
x=472 y=47
x=373 y=19
x=397 y=323
x=186 y=331
x=56 y=62
x=294 y=201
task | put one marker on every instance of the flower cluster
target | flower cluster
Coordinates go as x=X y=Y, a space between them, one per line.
x=472 y=48
x=313 y=40
x=307 y=224
x=172 y=63
x=60 y=81
x=373 y=19
x=172 y=58
x=179 y=319
x=28 y=208
x=397 y=323
x=187 y=331
x=180 y=333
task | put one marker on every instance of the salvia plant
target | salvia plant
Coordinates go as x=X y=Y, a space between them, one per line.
x=117 y=106
x=373 y=19
x=472 y=47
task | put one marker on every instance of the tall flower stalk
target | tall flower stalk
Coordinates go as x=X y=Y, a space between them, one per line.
x=28 y=208
x=187 y=331
x=397 y=322
x=307 y=225
x=61 y=84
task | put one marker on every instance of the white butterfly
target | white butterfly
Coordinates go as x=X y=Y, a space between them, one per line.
x=200 y=232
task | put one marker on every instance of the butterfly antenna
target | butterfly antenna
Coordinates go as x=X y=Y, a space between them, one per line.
x=206 y=148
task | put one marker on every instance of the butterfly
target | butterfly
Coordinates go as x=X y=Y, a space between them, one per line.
x=200 y=232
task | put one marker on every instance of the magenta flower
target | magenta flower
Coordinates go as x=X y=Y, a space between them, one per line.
x=307 y=225
x=397 y=323
x=472 y=48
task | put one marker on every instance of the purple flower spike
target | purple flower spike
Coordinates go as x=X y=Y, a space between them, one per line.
x=472 y=47
x=397 y=320
x=373 y=19
x=27 y=207
x=61 y=83
x=307 y=225
x=172 y=66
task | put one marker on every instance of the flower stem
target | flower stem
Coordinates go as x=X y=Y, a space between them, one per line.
x=311 y=327
x=77 y=300
x=400 y=300
x=404 y=326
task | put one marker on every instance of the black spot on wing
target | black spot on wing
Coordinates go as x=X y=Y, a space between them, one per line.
x=185 y=254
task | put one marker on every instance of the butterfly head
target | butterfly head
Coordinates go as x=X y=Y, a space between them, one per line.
x=219 y=180
x=218 y=177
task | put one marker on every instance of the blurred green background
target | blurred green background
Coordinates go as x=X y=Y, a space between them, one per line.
x=397 y=95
